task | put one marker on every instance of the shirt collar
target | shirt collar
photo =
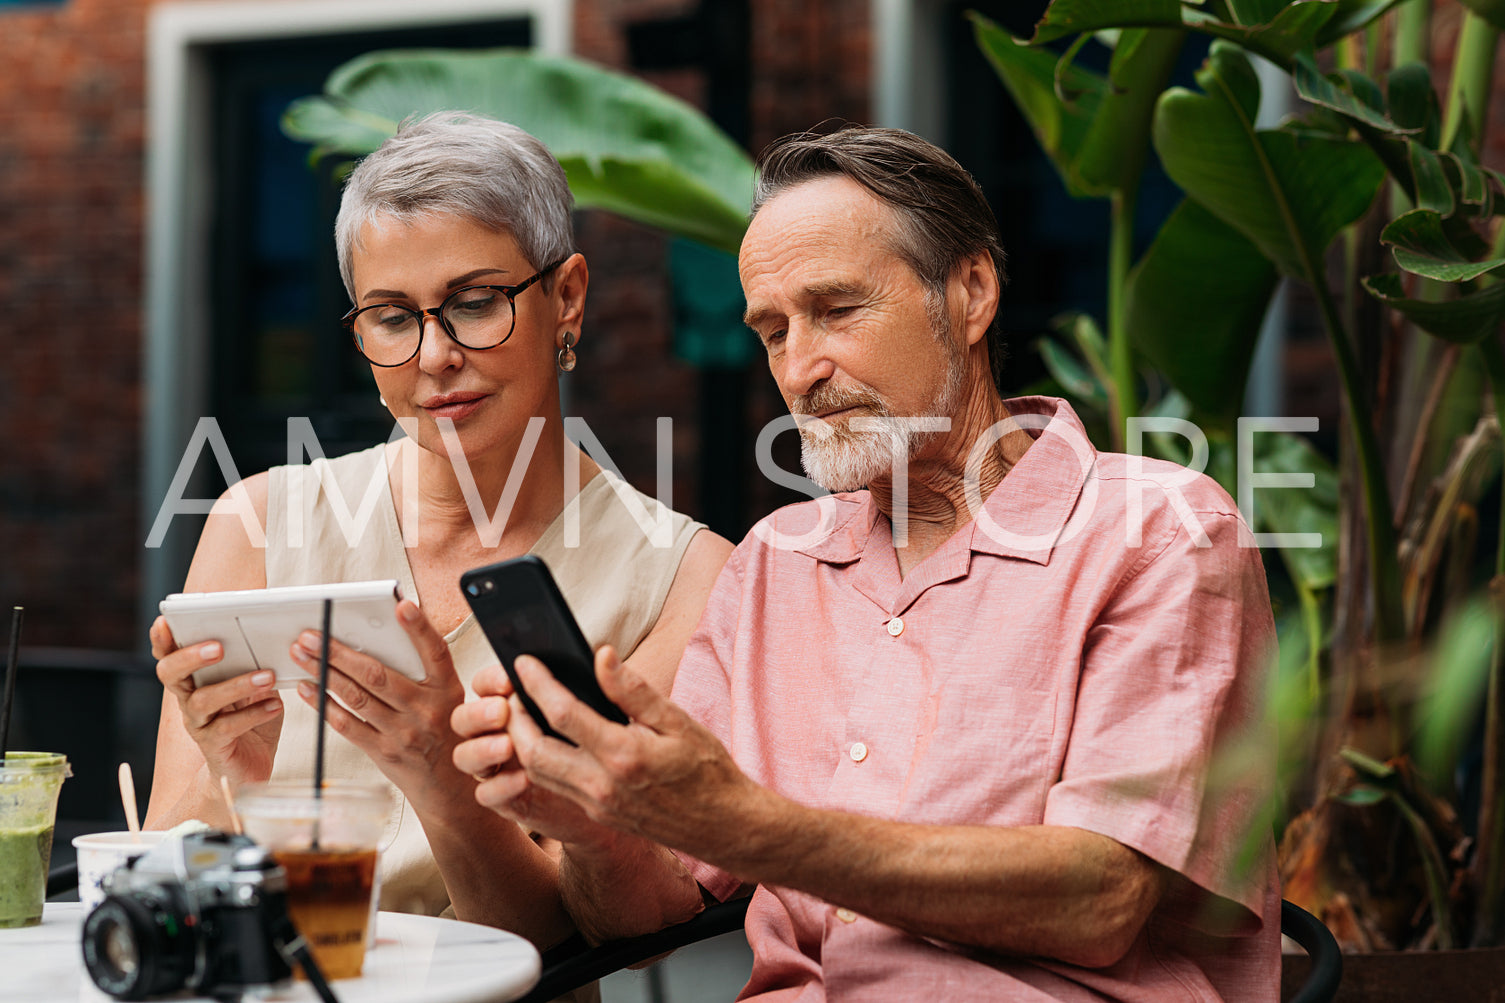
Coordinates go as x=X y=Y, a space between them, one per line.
x=1025 y=515
x=1031 y=508
x=853 y=515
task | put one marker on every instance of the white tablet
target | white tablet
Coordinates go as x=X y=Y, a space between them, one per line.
x=258 y=627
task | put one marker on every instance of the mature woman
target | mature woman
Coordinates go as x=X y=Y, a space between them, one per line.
x=455 y=245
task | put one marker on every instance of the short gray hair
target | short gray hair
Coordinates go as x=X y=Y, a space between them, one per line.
x=489 y=172
x=942 y=216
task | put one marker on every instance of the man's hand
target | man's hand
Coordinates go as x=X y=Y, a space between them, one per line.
x=614 y=885
x=662 y=776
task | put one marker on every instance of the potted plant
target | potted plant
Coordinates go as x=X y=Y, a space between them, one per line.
x=1376 y=198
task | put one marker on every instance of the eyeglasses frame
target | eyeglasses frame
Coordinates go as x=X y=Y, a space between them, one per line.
x=437 y=312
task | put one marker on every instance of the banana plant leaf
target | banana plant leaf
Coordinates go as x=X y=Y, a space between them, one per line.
x=1113 y=152
x=1412 y=102
x=1293 y=28
x=627 y=147
x=1430 y=188
x=1465 y=320
x=1424 y=245
x=1095 y=129
x=1352 y=16
x=1194 y=305
x=1288 y=193
x=1029 y=75
x=1346 y=95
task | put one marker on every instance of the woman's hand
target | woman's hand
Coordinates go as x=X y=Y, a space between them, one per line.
x=489 y=755
x=400 y=723
x=235 y=723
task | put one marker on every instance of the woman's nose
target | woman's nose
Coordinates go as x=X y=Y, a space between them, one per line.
x=437 y=351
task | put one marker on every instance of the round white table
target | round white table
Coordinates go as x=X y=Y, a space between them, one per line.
x=416 y=959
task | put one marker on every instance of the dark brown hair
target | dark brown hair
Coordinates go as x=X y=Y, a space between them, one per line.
x=941 y=213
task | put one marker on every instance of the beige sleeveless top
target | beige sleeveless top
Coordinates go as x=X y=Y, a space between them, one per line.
x=615 y=580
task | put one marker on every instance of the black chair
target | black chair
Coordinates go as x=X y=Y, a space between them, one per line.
x=1321 y=983
x=61 y=881
x=566 y=967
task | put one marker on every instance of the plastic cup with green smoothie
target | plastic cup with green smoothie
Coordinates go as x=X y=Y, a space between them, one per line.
x=29 y=786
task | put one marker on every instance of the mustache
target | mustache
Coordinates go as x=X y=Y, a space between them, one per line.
x=830 y=398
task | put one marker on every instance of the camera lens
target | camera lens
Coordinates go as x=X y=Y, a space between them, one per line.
x=133 y=950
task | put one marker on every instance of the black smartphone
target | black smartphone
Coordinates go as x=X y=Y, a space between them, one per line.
x=522 y=612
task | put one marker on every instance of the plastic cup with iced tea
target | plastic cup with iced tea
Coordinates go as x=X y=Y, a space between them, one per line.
x=328 y=846
x=29 y=786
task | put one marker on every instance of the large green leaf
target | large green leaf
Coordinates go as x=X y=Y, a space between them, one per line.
x=1352 y=16
x=1114 y=149
x=1412 y=101
x=1363 y=104
x=1029 y=75
x=1288 y=192
x=1095 y=129
x=626 y=146
x=1423 y=245
x=1072 y=17
x=1194 y=306
x=1293 y=27
x=1251 y=12
x=1430 y=188
x=1466 y=319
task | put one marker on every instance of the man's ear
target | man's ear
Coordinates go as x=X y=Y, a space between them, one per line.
x=978 y=279
x=571 y=280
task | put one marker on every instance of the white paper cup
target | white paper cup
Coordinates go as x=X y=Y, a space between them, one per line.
x=100 y=853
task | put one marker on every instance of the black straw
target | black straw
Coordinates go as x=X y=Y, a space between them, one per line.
x=12 y=670
x=323 y=703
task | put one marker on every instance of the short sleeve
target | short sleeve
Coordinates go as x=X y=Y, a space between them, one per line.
x=1170 y=751
x=702 y=688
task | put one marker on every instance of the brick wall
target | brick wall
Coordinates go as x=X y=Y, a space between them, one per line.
x=71 y=140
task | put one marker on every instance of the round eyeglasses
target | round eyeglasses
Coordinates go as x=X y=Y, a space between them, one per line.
x=475 y=317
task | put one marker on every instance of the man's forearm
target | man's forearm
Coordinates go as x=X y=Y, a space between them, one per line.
x=625 y=887
x=1059 y=892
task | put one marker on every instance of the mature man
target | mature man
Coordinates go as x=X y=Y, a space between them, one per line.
x=972 y=732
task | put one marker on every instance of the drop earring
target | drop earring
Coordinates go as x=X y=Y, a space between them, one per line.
x=566 y=359
x=383 y=401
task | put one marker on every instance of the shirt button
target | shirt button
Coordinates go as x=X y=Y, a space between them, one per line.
x=895 y=627
x=846 y=915
x=858 y=752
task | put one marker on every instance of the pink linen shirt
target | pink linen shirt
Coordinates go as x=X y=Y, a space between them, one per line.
x=1043 y=666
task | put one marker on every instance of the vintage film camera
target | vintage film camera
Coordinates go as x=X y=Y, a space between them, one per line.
x=207 y=914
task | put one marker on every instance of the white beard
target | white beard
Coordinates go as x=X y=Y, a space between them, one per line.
x=841 y=458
